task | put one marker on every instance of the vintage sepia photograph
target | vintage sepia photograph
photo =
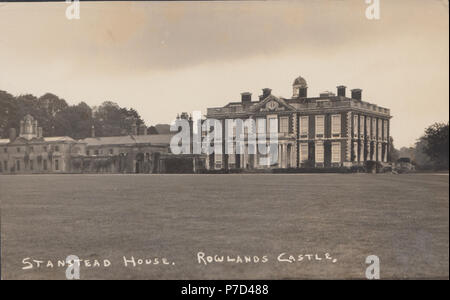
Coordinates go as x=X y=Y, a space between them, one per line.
x=247 y=142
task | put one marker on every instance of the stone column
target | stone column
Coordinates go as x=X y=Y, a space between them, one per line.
x=361 y=152
x=293 y=155
x=279 y=155
x=386 y=147
x=245 y=160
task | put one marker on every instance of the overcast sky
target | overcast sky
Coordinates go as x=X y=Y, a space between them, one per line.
x=165 y=58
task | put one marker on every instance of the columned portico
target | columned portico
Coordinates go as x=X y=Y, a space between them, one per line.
x=285 y=155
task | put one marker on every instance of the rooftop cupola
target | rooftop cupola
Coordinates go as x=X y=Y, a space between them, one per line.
x=300 y=88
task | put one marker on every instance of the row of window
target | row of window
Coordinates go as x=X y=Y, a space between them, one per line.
x=304 y=153
x=365 y=126
x=374 y=127
x=98 y=152
x=269 y=125
x=31 y=165
x=31 y=149
x=319 y=152
x=303 y=123
x=376 y=153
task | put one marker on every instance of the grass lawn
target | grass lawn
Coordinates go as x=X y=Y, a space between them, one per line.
x=403 y=219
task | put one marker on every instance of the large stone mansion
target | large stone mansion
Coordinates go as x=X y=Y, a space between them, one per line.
x=30 y=152
x=326 y=131
x=313 y=132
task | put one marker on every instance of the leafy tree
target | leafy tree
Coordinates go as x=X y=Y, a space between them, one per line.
x=112 y=120
x=8 y=113
x=74 y=121
x=163 y=128
x=436 y=144
x=152 y=130
x=48 y=106
x=393 y=153
x=51 y=104
x=421 y=159
x=57 y=118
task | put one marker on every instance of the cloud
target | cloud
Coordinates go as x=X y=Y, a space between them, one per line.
x=147 y=36
x=166 y=57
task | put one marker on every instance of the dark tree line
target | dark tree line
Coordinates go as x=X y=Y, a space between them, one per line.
x=57 y=118
x=431 y=151
x=435 y=144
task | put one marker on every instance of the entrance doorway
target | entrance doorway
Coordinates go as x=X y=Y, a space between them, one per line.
x=139 y=167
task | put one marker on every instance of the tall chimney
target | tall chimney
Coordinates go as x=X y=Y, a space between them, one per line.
x=22 y=123
x=356 y=94
x=266 y=93
x=341 y=90
x=39 y=132
x=246 y=97
x=12 y=134
x=93 y=131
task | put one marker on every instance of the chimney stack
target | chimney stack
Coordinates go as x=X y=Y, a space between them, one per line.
x=357 y=94
x=184 y=115
x=39 y=132
x=12 y=134
x=341 y=90
x=266 y=93
x=246 y=97
x=93 y=131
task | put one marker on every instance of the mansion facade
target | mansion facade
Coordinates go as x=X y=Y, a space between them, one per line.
x=326 y=131
x=30 y=152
